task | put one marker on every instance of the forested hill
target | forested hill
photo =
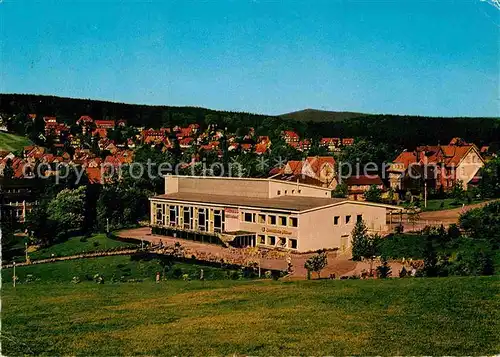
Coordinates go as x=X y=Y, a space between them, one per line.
x=70 y=109
x=394 y=130
x=315 y=115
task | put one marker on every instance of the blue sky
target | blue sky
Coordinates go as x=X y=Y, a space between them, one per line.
x=403 y=57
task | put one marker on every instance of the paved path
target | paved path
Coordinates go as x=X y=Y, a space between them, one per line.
x=269 y=259
x=73 y=257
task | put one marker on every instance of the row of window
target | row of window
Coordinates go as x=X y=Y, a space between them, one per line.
x=270 y=219
x=347 y=219
x=201 y=219
x=274 y=241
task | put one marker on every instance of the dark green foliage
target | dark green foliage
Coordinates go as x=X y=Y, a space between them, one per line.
x=483 y=223
x=364 y=152
x=373 y=194
x=364 y=245
x=340 y=191
x=453 y=232
x=430 y=258
x=396 y=246
x=457 y=192
x=489 y=186
x=121 y=206
x=475 y=261
x=316 y=263
x=359 y=240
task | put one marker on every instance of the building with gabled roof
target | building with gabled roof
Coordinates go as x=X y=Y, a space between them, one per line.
x=439 y=166
x=319 y=168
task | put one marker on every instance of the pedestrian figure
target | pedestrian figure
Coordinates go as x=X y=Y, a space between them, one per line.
x=157 y=277
x=201 y=275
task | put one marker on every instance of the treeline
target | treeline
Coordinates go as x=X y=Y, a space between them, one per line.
x=411 y=131
x=394 y=130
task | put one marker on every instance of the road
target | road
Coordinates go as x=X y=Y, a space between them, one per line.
x=445 y=217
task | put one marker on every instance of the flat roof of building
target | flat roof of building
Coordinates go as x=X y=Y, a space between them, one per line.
x=290 y=203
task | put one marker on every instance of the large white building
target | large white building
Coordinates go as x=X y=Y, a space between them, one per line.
x=260 y=212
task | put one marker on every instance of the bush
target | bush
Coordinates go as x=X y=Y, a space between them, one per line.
x=177 y=273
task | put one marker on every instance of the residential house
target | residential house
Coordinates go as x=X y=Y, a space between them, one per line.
x=439 y=166
x=290 y=137
x=331 y=144
x=357 y=185
x=321 y=169
x=105 y=124
x=347 y=141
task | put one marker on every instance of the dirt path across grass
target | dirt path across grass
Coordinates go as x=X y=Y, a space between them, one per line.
x=450 y=216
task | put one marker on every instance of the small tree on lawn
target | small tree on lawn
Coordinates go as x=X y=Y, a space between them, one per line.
x=316 y=263
x=359 y=240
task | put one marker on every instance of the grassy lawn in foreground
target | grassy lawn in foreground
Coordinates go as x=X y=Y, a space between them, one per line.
x=452 y=316
x=77 y=245
x=11 y=142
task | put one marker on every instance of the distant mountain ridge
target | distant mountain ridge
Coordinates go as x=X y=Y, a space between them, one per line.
x=316 y=115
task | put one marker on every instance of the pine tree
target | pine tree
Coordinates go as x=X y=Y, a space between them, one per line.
x=359 y=241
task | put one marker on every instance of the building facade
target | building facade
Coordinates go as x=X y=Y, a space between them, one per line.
x=440 y=166
x=268 y=213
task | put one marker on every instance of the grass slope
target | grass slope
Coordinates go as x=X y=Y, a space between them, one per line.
x=447 y=316
x=315 y=115
x=75 y=245
x=11 y=142
x=114 y=267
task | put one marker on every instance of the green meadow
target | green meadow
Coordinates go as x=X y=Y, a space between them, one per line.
x=417 y=316
x=11 y=142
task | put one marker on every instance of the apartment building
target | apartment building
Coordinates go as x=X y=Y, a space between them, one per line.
x=242 y=212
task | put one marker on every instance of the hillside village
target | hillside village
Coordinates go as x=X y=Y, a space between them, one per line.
x=99 y=146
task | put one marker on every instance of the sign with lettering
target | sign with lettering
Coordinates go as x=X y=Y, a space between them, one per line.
x=276 y=231
x=231 y=213
x=232 y=218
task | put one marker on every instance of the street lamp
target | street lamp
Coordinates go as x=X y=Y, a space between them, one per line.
x=26 y=250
